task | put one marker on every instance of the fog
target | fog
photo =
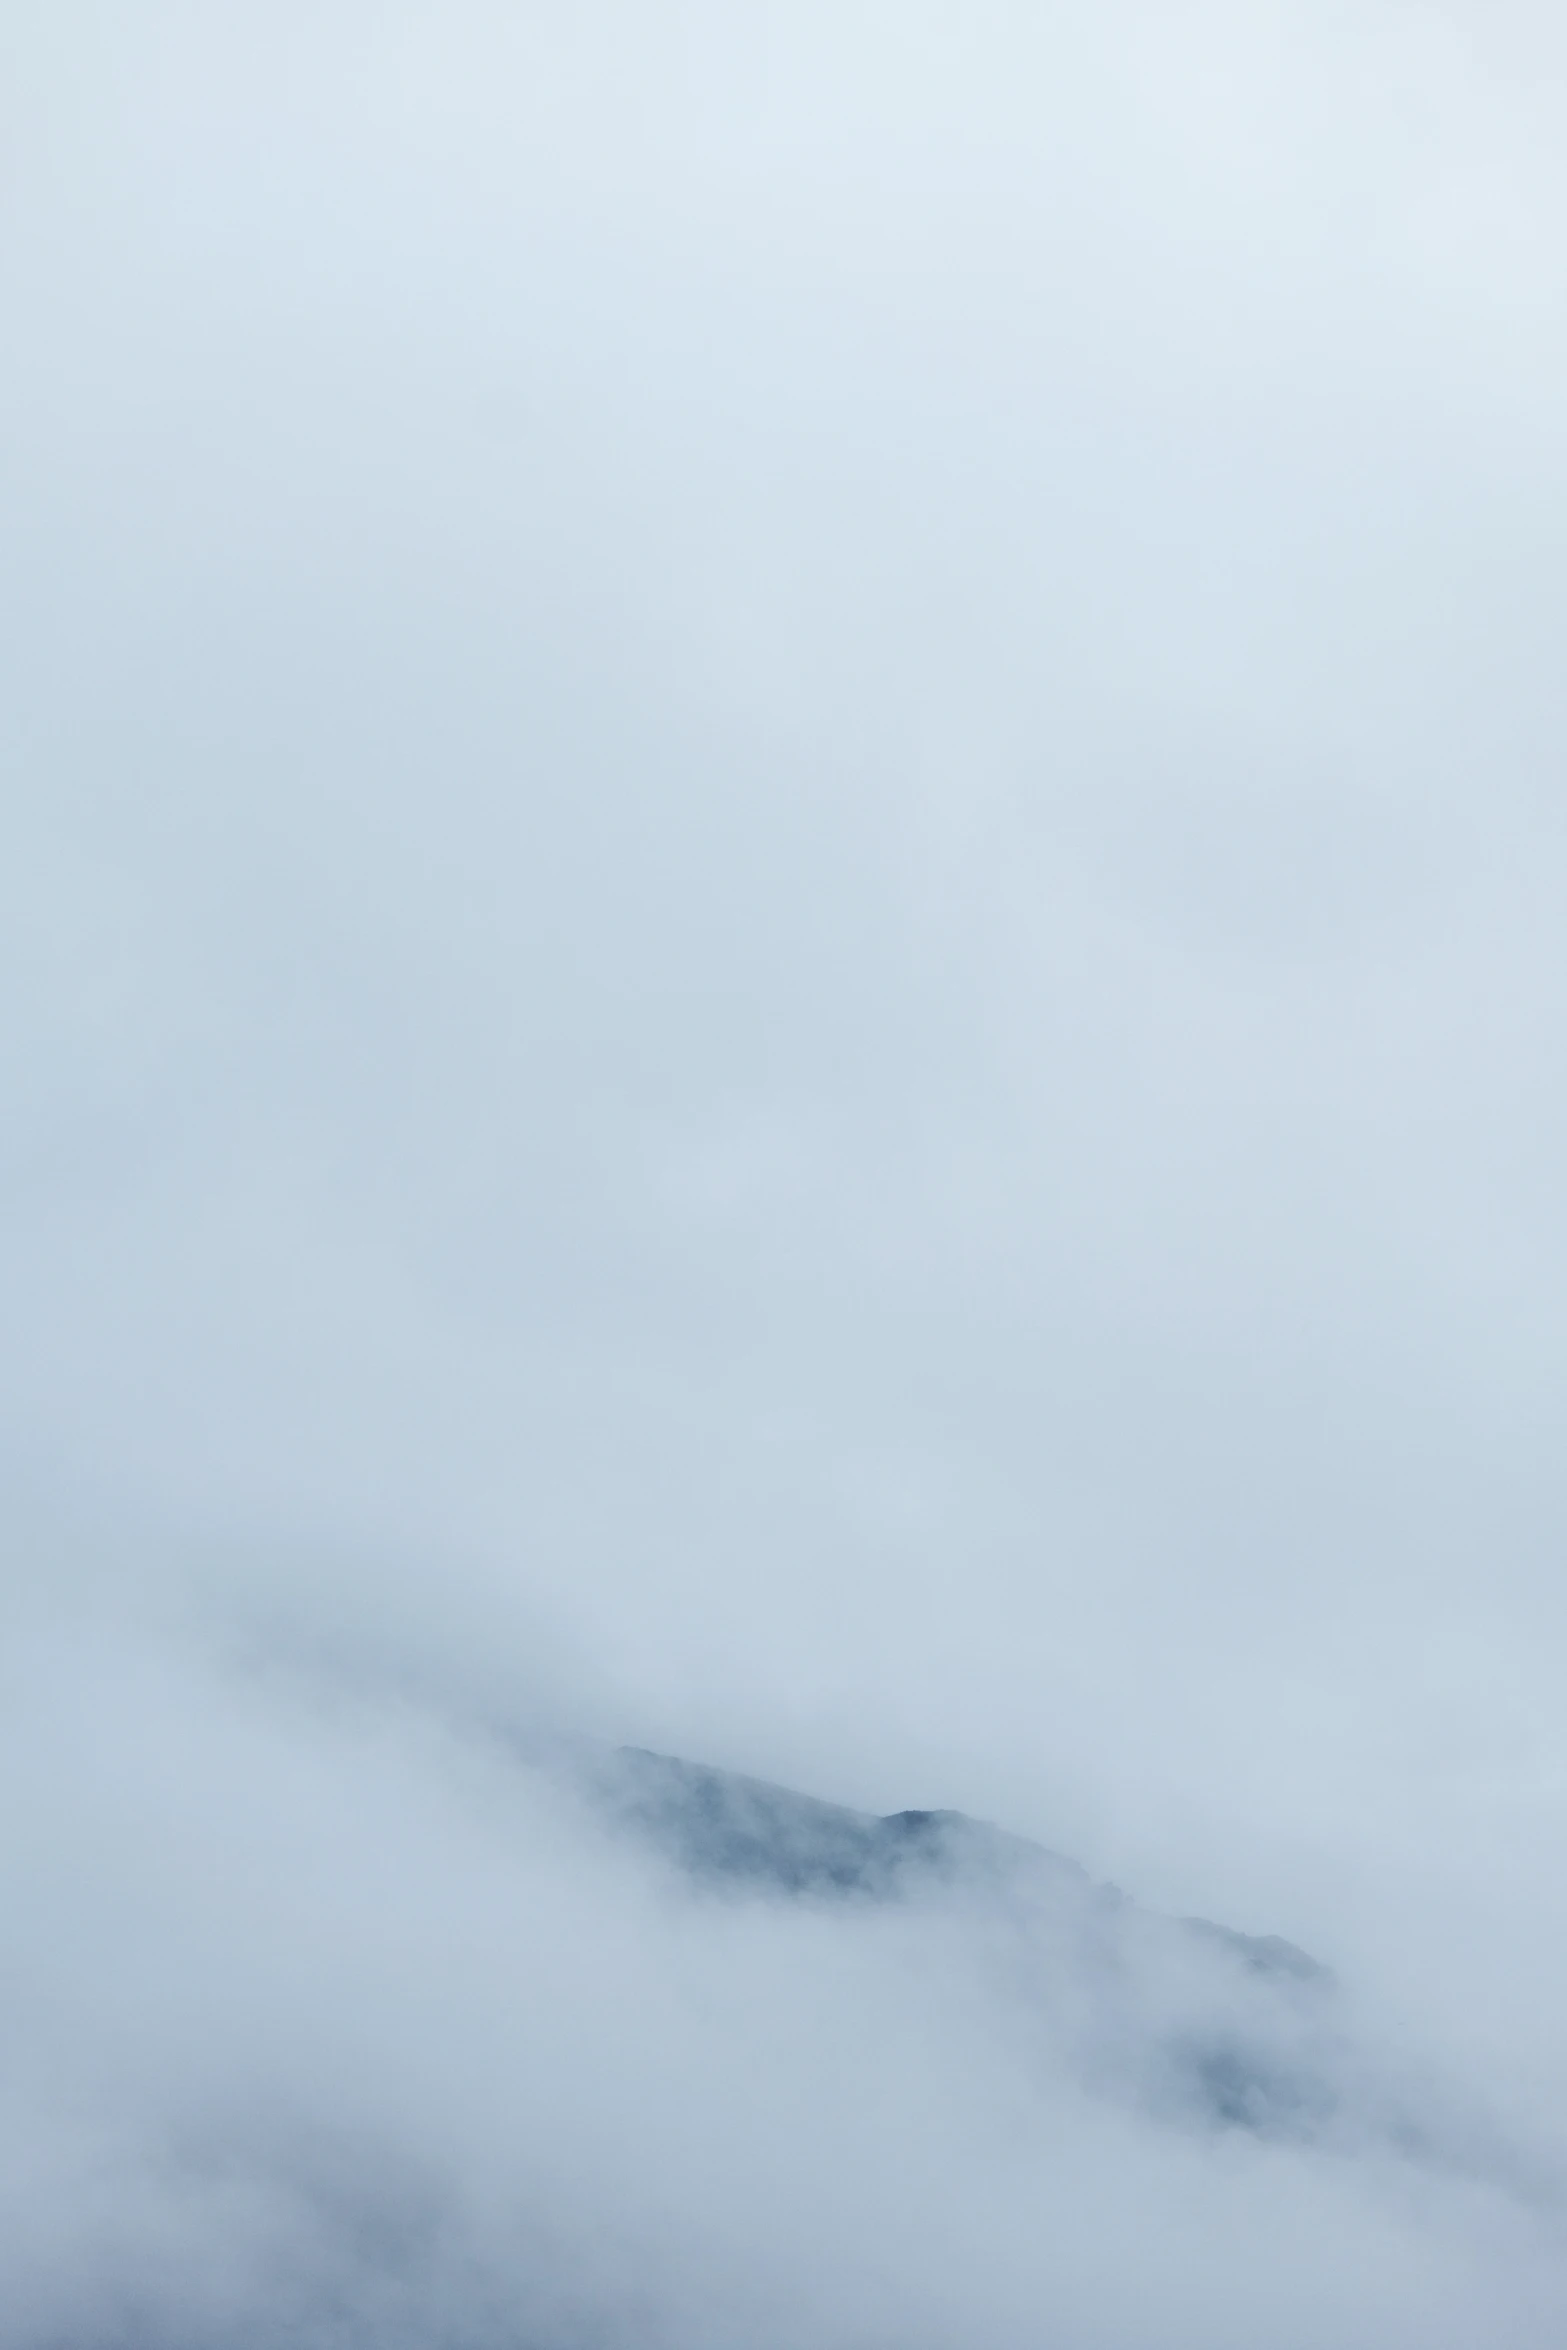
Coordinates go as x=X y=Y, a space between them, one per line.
x=780 y=977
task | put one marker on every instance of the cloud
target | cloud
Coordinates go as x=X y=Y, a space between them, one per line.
x=781 y=972
x=327 y=2015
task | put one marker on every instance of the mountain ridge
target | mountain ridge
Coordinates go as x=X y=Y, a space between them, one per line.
x=728 y=1825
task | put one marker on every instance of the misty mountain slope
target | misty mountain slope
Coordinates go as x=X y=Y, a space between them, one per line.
x=339 y=2018
x=1193 y=2021
x=731 y=1828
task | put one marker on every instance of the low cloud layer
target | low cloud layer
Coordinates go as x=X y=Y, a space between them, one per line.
x=781 y=978
x=332 y=2016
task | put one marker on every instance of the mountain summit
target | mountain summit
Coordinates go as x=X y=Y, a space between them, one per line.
x=1201 y=2022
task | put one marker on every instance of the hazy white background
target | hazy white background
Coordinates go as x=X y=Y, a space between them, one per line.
x=783 y=877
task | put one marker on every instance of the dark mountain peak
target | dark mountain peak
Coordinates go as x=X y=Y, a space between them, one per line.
x=1192 y=2022
x=726 y=1829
